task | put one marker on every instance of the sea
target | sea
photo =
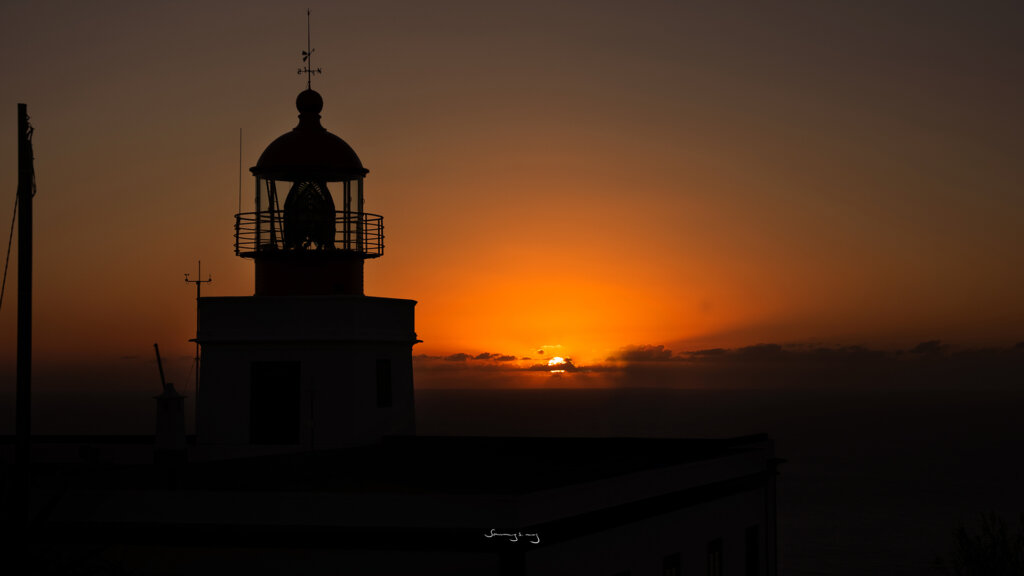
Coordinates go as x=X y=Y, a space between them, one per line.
x=874 y=481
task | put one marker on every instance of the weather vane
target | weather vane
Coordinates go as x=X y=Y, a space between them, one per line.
x=307 y=59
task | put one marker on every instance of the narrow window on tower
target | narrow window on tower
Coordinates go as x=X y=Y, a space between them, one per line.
x=384 y=383
x=671 y=565
x=753 y=551
x=715 y=557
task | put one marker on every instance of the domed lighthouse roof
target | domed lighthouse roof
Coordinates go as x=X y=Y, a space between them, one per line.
x=309 y=152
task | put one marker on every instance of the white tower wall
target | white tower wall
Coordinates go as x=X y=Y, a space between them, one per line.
x=324 y=371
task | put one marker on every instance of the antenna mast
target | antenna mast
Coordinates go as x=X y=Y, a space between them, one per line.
x=23 y=398
x=199 y=284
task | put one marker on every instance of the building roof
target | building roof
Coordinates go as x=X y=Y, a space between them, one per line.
x=309 y=152
x=440 y=464
x=405 y=492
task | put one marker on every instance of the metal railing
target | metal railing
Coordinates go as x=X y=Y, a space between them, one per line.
x=266 y=231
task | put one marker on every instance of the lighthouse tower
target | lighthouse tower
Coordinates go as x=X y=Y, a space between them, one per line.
x=307 y=362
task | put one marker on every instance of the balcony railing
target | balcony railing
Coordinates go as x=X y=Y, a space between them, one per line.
x=267 y=231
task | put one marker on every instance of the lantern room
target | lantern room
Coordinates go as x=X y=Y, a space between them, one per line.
x=309 y=233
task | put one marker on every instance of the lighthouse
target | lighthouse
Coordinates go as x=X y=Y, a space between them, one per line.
x=308 y=361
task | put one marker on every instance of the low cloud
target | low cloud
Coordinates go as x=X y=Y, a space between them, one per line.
x=761 y=352
x=932 y=347
x=642 y=353
x=466 y=359
x=930 y=364
x=708 y=352
x=496 y=357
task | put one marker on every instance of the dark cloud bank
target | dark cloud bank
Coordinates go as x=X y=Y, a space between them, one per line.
x=929 y=364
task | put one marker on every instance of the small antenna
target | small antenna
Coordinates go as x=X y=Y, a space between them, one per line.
x=239 y=170
x=199 y=283
x=307 y=58
x=160 y=366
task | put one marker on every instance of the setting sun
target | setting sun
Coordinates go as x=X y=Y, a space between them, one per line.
x=557 y=364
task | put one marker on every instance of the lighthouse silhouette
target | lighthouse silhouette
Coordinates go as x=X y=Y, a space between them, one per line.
x=308 y=361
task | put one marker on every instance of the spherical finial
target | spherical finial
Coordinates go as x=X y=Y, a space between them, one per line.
x=309 y=102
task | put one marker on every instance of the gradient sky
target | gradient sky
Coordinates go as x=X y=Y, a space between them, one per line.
x=584 y=176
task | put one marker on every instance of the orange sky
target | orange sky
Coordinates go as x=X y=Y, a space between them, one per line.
x=591 y=175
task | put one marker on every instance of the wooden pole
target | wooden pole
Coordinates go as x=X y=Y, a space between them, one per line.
x=26 y=178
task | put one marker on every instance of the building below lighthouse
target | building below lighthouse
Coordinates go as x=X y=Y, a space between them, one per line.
x=308 y=361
